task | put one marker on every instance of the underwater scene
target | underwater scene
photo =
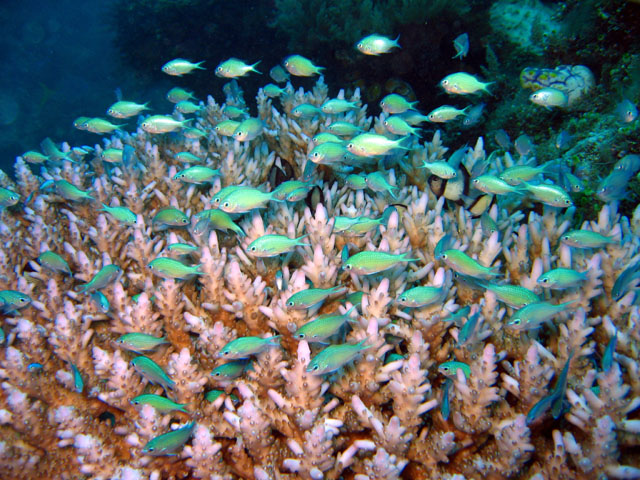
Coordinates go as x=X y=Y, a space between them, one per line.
x=320 y=239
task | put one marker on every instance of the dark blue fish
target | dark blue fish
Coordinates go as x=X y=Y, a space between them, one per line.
x=78 y=383
x=621 y=285
x=445 y=407
x=560 y=389
x=502 y=139
x=466 y=332
x=607 y=358
x=563 y=140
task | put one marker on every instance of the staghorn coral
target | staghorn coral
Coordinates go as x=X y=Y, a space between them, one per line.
x=381 y=415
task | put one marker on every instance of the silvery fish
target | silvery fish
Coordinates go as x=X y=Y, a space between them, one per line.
x=197 y=174
x=162 y=124
x=394 y=104
x=120 y=214
x=624 y=280
x=399 y=126
x=473 y=115
x=377 y=44
x=440 y=169
x=535 y=314
x=180 y=66
x=54 y=262
x=124 y=109
x=626 y=111
x=586 y=239
x=377 y=182
x=462 y=83
x=177 y=94
x=337 y=105
x=549 y=194
x=513 y=295
x=301 y=67
x=524 y=145
x=372 y=144
x=245 y=199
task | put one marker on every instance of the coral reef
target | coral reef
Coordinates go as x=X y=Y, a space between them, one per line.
x=387 y=411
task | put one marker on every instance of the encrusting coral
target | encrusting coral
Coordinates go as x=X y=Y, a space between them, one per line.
x=386 y=412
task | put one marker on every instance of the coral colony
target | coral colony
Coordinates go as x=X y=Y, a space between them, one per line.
x=311 y=292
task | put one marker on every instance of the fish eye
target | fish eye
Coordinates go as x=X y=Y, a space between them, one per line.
x=443 y=256
x=348 y=266
x=225 y=204
x=217 y=374
x=445 y=82
x=290 y=304
x=516 y=321
x=544 y=280
x=224 y=352
x=316 y=154
x=150 y=449
x=316 y=367
x=567 y=202
x=253 y=249
x=300 y=336
x=444 y=369
x=22 y=300
x=386 y=123
x=360 y=45
x=403 y=299
x=350 y=145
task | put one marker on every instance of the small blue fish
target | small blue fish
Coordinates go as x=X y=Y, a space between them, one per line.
x=231 y=370
x=607 y=357
x=626 y=111
x=445 y=407
x=34 y=367
x=461 y=44
x=335 y=356
x=78 y=383
x=244 y=347
x=624 y=280
x=468 y=328
x=101 y=301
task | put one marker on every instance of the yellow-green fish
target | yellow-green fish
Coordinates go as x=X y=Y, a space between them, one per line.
x=440 y=169
x=248 y=129
x=173 y=269
x=535 y=314
x=399 y=126
x=162 y=124
x=182 y=248
x=8 y=198
x=301 y=67
x=186 y=107
x=394 y=104
x=140 y=342
x=34 y=157
x=180 y=66
x=232 y=111
x=376 y=44
x=272 y=245
x=327 y=153
x=218 y=220
x=495 y=185
x=54 y=262
x=13 y=300
x=355 y=182
x=334 y=357
x=462 y=83
x=445 y=113
x=244 y=347
x=344 y=129
x=285 y=188
x=337 y=105
x=245 y=199
x=124 y=109
x=322 y=327
x=160 y=403
x=106 y=276
x=549 y=194
x=177 y=94
x=422 y=296
x=112 y=155
x=367 y=263
x=513 y=295
x=187 y=157
x=226 y=127
x=312 y=296
x=120 y=214
x=70 y=192
x=197 y=174
x=586 y=239
x=99 y=125
x=372 y=144
x=213 y=395
x=153 y=372
x=168 y=443
x=272 y=91
x=560 y=278
x=324 y=137
x=169 y=217
x=462 y=263
x=377 y=182
x=234 y=68
x=523 y=173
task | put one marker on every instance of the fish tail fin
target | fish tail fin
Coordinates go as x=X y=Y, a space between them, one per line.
x=198 y=65
x=253 y=67
x=485 y=88
x=406 y=257
x=395 y=42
